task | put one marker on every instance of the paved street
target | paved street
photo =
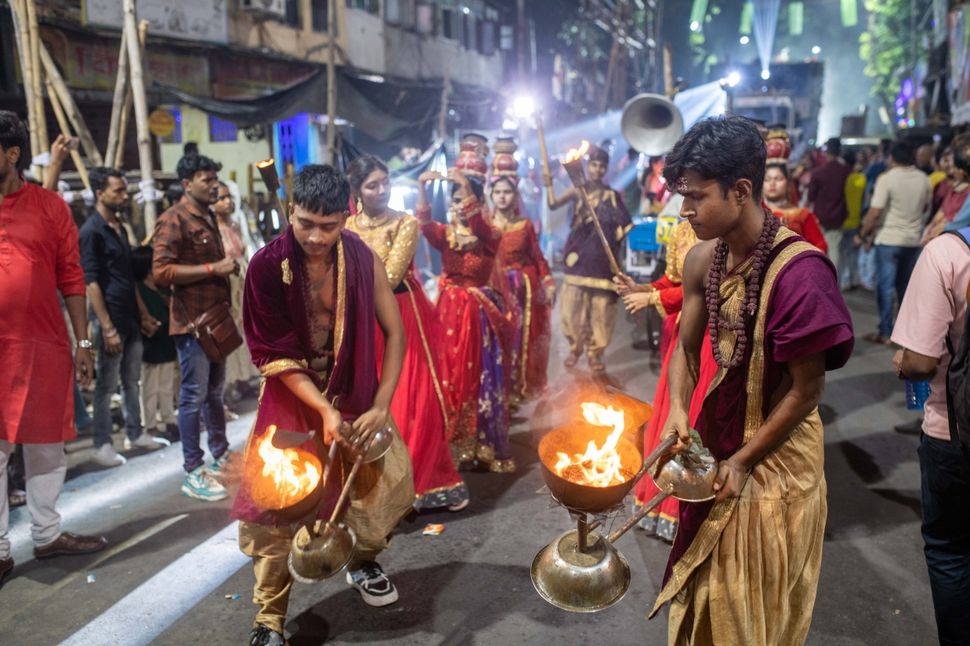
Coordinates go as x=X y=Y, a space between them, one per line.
x=174 y=575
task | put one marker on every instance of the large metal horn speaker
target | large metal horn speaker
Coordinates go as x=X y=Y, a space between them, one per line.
x=651 y=123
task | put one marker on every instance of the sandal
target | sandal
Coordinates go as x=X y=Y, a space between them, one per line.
x=875 y=337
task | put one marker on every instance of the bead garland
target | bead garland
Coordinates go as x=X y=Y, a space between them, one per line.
x=752 y=292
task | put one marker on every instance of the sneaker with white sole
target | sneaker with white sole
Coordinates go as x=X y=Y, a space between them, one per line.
x=218 y=466
x=200 y=484
x=265 y=636
x=106 y=456
x=146 y=441
x=374 y=586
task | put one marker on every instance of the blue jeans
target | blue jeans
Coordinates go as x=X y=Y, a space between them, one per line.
x=848 y=259
x=81 y=417
x=200 y=395
x=894 y=266
x=945 y=484
x=125 y=366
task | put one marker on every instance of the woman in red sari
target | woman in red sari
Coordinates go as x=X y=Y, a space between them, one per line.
x=798 y=219
x=419 y=408
x=528 y=281
x=780 y=196
x=475 y=368
x=667 y=295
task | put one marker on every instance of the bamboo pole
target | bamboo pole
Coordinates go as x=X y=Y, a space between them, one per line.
x=18 y=12
x=66 y=131
x=40 y=125
x=126 y=107
x=117 y=102
x=332 y=80
x=443 y=109
x=141 y=115
x=70 y=108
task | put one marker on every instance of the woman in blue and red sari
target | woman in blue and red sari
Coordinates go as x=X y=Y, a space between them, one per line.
x=476 y=330
x=419 y=408
x=527 y=279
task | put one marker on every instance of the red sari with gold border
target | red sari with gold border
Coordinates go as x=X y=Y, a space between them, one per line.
x=419 y=407
x=527 y=274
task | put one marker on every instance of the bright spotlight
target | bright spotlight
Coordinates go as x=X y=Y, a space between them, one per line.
x=765 y=75
x=522 y=107
x=695 y=26
x=399 y=196
x=744 y=40
x=816 y=50
x=733 y=78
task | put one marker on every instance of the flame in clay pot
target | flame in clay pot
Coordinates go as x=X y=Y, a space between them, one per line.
x=288 y=476
x=598 y=466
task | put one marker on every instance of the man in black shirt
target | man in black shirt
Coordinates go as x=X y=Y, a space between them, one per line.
x=118 y=321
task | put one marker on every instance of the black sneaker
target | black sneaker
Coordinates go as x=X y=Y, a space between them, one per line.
x=264 y=636
x=374 y=586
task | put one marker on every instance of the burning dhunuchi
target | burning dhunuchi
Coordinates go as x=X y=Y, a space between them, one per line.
x=598 y=466
x=285 y=476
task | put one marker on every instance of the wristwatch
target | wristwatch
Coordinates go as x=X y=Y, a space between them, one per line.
x=85 y=344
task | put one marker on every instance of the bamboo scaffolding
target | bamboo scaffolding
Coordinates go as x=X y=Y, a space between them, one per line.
x=141 y=114
x=66 y=131
x=70 y=108
x=126 y=107
x=118 y=101
x=18 y=12
x=36 y=82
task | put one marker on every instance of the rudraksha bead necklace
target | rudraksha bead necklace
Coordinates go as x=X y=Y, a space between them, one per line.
x=752 y=292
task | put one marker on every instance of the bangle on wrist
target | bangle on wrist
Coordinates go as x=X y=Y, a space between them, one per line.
x=108 y=334
x=208 y=268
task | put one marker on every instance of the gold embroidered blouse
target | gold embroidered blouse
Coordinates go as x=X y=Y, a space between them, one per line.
x=395 y=242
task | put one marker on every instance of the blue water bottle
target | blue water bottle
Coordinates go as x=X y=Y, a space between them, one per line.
x=916 y=394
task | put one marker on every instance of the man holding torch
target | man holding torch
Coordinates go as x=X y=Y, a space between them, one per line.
x=600 y=222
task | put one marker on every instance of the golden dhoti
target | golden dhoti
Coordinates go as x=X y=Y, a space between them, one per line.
x=758 y=583
x=750 y=574
x=588 y=315
x=382 y=494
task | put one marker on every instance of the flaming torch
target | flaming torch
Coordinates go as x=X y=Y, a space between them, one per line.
x=574 y=168
x=267 y=170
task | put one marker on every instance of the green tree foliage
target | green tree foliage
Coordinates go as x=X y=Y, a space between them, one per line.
x=887 y=44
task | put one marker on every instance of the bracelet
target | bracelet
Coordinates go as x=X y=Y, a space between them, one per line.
x=110 y=334
x=208 y=268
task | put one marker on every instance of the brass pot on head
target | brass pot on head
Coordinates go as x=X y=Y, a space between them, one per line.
x=651 y=124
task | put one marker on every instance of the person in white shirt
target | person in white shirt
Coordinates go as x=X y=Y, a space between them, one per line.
x=897 y=214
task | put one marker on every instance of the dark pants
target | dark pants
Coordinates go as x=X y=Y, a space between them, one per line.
x=945 y=479
x=200 y=398
x=894 y=266
x=112 y=368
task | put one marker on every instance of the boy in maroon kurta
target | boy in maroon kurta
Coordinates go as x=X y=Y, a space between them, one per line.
x=744 y=567
x=311 y=300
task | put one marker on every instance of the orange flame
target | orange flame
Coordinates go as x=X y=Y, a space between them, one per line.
x=598 y=466
x=292 y=475
x=575 y=154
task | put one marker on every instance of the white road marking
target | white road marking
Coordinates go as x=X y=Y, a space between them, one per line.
x=155 y=605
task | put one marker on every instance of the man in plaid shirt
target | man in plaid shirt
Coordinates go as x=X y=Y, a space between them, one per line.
x=188 y=257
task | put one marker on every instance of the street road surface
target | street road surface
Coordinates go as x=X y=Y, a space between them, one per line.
x=173 y=573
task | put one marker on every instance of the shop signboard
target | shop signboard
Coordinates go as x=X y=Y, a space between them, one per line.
x=200 y=20
x=93 y=64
